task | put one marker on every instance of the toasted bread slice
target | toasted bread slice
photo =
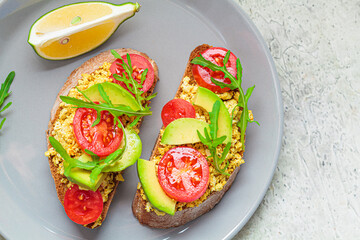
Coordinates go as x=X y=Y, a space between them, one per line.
x=88 y=67
x=139 y=205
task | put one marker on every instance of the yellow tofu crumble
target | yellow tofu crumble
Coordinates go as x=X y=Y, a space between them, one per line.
x=63 y=132
x=216 y=179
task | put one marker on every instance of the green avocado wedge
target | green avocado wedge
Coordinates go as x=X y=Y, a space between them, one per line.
x=131 y=154
x=205 y=98
x=117 y=95
x=81 y=177
x=183 y=131
x=152 y=189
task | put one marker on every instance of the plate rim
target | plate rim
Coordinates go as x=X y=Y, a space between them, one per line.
x=280 y=123
x=279 y=101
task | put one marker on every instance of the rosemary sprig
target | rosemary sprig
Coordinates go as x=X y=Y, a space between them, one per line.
x=212 y=141
x=4 y=93
x=235 y=84
x=131 y=84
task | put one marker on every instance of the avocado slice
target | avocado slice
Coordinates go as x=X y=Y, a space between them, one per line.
x=131 y=154
x=183 y=131
x=205 y=98
x=153 y=191
x=81 y=177
x=117 y=95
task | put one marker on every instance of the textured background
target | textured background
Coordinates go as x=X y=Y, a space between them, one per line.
x=315 y=190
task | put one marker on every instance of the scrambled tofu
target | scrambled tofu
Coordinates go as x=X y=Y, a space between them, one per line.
x=216 y=179
x=63 y=132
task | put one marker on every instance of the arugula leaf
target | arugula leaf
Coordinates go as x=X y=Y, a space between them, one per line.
x=104 y=95
x=235 y=84
x=2 y=123
x=94 y=157
x=71 y=161
x=97 y=120
x=133 y=123
x=212 y=141
x=85 y=96
x=106 y=98
x=108 y=161
x=115 y=54
x=4 y=93
x=143 y=76
x=6 y=107
x=150 y=97
x=4 y=90
x=214 y=116
x=96 y=166
x=117 y=109
x=133 y=86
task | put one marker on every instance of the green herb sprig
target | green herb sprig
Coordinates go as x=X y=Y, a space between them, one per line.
x=96 y=165
x=212 y=141
x=131 y=84
x=235 y=84
x=115 y=109
x=4 y=93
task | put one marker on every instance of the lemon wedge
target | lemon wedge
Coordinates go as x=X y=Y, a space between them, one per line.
x=74 y=29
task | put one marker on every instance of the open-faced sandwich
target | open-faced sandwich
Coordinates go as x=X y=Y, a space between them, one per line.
x=93 y=130
x=200 y=148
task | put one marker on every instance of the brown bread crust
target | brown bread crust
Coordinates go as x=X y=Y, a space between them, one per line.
x=181 y=217
x=86 y=68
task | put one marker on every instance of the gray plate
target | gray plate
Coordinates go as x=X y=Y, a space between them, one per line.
x=167 y=31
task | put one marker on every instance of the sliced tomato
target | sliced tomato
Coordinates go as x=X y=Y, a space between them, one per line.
x=203 y=75
x=102 y=139
x=139 y=64
x=177 y=108
x=83 y=206
x=183 y=173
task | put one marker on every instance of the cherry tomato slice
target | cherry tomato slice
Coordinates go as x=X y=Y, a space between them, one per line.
x=83 y=206
x=139 y=64
x=203 y=75
x=177 y=108
x=102 y=139
x=183 y=173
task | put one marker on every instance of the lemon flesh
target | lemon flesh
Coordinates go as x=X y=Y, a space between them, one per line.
x=72 y=30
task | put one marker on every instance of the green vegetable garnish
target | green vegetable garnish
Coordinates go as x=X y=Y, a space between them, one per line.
x=117 y=109
x=71 y=161
x=235 y=84
x=4 y=93
x=133 y=86
x=212 y=141
x=96 y=166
